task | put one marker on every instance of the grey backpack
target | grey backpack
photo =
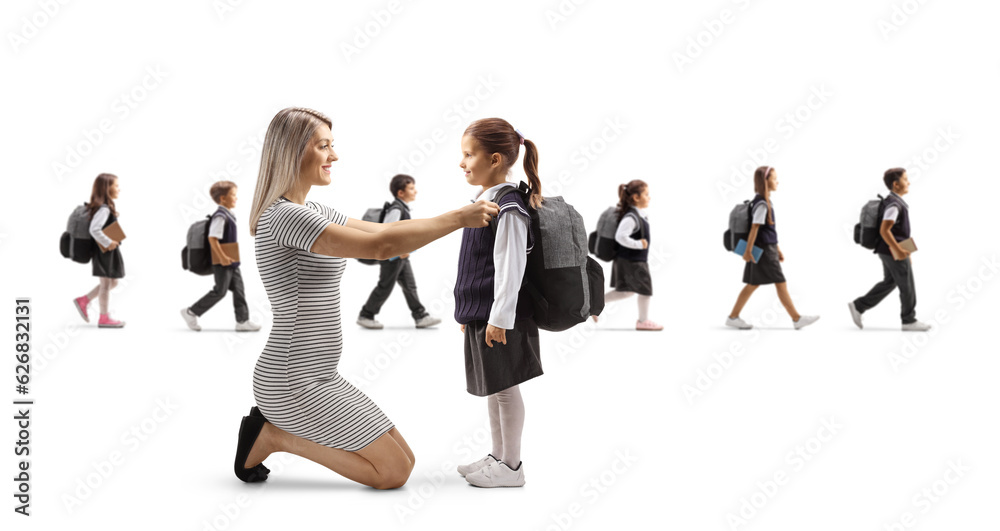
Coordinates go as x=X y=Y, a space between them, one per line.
x=739 y=226
x=76 y=243
x=196 y=256
x=602 y=241
x=564 y=284
x=374 y=215
x=866 y=231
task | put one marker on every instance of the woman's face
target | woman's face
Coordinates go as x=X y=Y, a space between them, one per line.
x=641 y=200
x=480 y=167
x=317 y=158
x=113 y=189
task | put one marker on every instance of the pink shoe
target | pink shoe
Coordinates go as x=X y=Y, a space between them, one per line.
x=107 y=322
x=648 y=325
x=80 y=303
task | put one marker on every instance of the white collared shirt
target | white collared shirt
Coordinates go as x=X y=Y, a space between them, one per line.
x=217 y=228
x=625 y=229
x=97 y=223
x=892 y=212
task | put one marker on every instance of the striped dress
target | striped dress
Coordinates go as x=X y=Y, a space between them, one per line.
x=295 y=382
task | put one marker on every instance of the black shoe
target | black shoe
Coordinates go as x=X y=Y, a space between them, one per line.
x=255 y=412
x=249 y=430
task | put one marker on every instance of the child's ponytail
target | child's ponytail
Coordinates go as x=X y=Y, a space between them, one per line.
x=626 y=193
x=531 y=170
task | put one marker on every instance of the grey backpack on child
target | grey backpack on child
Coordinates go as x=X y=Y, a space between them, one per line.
x=866 y=231
x=196 y=256
x=374 y=215
x=76 y=243
x=602 y=241
x=564 y=284
x=739 y=226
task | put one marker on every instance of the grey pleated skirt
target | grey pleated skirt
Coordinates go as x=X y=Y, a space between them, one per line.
x=489 y=370
x=767 y=270
x=627 y=275
x=107 y=264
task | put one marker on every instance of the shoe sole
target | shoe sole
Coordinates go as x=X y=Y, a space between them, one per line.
x=495 y=486
x=80 y=311
x=855 y=318
x=111 y=326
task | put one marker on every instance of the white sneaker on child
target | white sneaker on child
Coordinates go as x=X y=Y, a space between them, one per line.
x=247 y=326
x=916 y=326
x=738 y=323
x=805 y=320
x=497 y=474
x=427 y=321
x=369 y=323
x=191 y=319
x=465 y=470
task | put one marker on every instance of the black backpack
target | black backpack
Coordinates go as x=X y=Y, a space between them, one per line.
x=196 y=256
x=565 y=286
x=76 y=243
x=374 y=215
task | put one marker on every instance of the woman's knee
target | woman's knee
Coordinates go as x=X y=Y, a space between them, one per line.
x=394 y=477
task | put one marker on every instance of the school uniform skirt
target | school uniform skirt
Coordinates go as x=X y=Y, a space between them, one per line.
x=627 y=275
x=489 y=370
x=108 y=264
x=767 y=270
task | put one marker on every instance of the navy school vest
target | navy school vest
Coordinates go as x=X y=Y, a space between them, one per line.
x=228 y=230
x=766 y=234
x=900 y=229
x=641 y=230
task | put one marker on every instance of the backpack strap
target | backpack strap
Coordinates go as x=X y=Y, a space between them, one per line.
x=638 y=221
x=385 y=210
x=521 y=187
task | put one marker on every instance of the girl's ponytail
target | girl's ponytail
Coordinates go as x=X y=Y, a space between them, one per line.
x=625 y=193
x=531 y=170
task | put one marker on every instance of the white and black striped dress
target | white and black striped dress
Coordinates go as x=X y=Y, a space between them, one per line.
x=296 y=382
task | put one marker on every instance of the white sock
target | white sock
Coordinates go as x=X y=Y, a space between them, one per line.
x=644 y=307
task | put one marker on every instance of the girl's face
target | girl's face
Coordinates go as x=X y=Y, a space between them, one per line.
x=772 y=180
x=317 y=158
x=481 y=168
x=641 y=200
x=408 y=194
x=229 y=200
x=113 y=189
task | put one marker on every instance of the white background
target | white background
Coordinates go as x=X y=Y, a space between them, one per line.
x=599 y=88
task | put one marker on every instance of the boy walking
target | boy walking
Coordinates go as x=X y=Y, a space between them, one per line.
x=222 y=229
x=397 y=270
x=897 y=272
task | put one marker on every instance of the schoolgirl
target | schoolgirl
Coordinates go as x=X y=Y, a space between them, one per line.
x=766 y=270
x=501 y=338
x=630 y=270
x=107 y=265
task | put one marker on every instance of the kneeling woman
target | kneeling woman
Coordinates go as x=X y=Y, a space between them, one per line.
x=304 y=405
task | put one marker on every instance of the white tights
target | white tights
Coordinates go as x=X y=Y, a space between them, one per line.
x=615 y=295
x=506 y=424
x=102 y=292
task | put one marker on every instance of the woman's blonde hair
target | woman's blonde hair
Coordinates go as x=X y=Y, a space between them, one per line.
x=281 y=156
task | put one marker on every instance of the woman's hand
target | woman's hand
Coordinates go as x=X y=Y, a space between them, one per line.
x=645 y=243
x=495 y=334
x=478 y=214
x=113 y=245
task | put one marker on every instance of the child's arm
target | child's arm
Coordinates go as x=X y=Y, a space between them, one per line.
x=624 y=233
x=886 y=232
x=96 y=224
x=510 y=258
x=216 y=230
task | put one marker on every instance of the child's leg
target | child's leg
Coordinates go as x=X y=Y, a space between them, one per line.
x=786 y=300
x=615 y=295
x=741 y=301
x=511 y=407
x=643 y=301
x=222 y=278
x=94 y=292
x=239 y=298
x=104 y=293
x=409 y=285
x=496 y=430
x=879 y=291
x=388 y=271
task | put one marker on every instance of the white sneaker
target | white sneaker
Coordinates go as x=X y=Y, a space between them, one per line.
x=247 y=326
x=370 y=324
x=191 y=319
x=738 y=323
x=497 y=474
x=427 y=321
x=465 y=470
x=805 y=320
x=916 y=326
x=855 y=314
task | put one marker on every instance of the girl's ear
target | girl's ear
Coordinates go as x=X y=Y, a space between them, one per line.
x=496 y=159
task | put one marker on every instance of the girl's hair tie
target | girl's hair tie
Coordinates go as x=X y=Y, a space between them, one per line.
x=520 y=136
